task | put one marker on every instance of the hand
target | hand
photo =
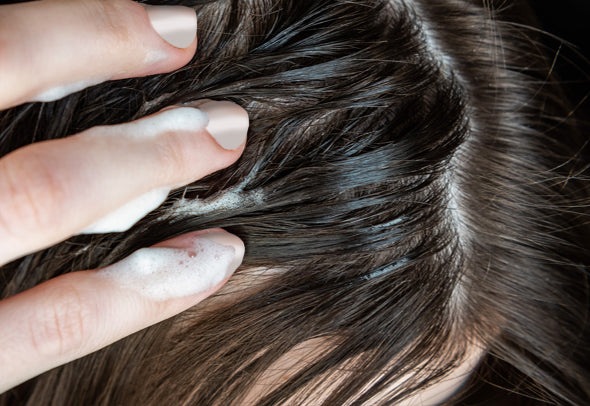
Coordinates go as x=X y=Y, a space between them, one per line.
x=104 y=179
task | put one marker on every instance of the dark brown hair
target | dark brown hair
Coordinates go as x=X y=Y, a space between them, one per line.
x=413 y=171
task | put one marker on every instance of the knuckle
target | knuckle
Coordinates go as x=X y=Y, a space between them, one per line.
x=60 y=328
x=31 y=194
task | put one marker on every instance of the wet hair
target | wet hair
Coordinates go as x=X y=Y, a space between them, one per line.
x=413 y=185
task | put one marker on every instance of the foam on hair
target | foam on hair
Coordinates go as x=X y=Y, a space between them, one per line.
x=227 y=200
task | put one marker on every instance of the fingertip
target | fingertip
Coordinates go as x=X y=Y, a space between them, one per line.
x=173 y=37
x=198 y=139
x=158 y=61
x=228 y=123
x=216 y=235
x=160 y=36
x=188 y=143
x=188 y=265
x=222 y=237
x=219 y=237
x=177 y=25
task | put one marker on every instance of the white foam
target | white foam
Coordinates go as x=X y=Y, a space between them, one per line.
x=174 y=119
x=161 y=273
x=126 y=216
x=230 y=199
x=62 y=91
x=170 y=120
x=154 y=56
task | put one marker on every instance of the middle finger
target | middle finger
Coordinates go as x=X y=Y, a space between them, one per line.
x=54 y=189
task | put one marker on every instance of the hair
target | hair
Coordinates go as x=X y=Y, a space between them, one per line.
x=413 y=186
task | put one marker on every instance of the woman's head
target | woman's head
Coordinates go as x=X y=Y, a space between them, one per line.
x=410 y=196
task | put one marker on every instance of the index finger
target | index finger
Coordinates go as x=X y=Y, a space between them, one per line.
x=51 y=48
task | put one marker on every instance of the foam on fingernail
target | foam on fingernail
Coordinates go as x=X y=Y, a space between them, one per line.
x=161 y=273
x=62 y=91
x=123 y=218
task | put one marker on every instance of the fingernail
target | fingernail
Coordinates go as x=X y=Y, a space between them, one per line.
x=177 y=25
x=227 y=240
x=195 y=265
x=228 y=123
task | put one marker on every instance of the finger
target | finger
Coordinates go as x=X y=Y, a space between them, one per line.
x=51 y=48
x=54 y=189
x=78 y=313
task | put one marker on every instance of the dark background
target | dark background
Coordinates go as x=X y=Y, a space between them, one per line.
x=569 y=20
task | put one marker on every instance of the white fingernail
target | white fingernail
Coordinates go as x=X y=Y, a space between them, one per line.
x=177 y=25
x=163 y=273
x=123 y=218
x=228 y=123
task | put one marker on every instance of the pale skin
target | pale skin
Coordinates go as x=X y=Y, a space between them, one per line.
x=52 y=190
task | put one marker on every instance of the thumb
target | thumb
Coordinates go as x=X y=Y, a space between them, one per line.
x=78 y=313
